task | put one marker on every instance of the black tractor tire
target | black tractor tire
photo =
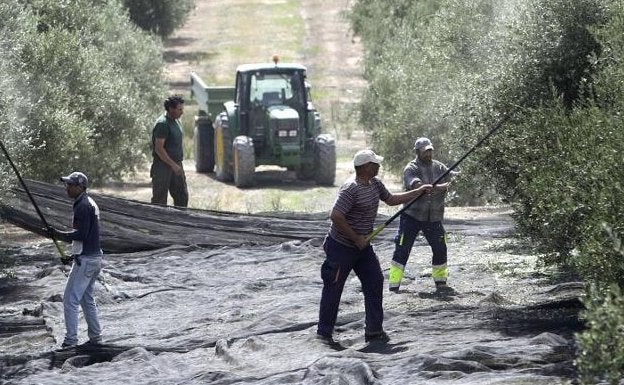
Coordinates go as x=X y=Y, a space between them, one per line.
x=223 y=149
x=203 y=139
x=244 y=161
x=325 y=160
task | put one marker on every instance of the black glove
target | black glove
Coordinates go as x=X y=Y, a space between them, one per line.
x=50 y=232
x=67 y=259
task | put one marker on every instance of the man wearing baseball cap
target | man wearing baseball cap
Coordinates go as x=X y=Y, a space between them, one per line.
x=87 y=260
x=424 y=215
x=347 y=247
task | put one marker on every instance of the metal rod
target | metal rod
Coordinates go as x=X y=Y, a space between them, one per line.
x=32 y=199
x=441 y=177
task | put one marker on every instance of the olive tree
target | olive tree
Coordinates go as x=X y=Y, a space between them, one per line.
x=81 y=86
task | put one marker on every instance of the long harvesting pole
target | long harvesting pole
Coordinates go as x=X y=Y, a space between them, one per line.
x=19 y=177
x=441 y=177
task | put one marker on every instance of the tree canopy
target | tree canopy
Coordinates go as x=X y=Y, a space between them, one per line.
x=81 y=86
x=452 y=69
x=161 y=17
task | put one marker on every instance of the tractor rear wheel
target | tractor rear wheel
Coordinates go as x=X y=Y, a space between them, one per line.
x=325 y=160
x=244 y=161
x=223 y=149
x=203 y=138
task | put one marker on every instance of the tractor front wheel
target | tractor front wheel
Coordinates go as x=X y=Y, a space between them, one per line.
x=325 y=160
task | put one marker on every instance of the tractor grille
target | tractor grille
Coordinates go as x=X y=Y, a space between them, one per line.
x=287 y=130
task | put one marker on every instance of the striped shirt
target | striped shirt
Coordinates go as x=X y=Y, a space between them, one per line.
x=358 y=202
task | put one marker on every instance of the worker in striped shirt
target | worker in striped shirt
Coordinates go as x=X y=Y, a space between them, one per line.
x=347 y=247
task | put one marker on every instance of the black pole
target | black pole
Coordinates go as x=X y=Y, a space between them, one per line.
x=441 y=177
x=19 y=177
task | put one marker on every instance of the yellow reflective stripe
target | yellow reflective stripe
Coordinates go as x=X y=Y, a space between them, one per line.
x=439 y=273
x=395 y=275
x=401 y=239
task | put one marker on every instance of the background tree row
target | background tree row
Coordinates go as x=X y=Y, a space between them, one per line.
x=81 y=84
x=451 y=69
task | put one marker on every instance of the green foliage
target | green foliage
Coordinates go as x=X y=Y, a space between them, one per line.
x=555 y=66
x=602 y=344
x=81 y=85
x=161 y=17
x=451 y=74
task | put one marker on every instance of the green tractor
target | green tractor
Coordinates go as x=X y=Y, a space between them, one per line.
x=266 y=119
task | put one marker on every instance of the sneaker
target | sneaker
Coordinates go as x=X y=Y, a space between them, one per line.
x=66 y=345
x=394 y=289
x=381 y=337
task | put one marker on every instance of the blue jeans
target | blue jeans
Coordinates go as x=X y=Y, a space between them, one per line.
x=79 y=291
x=339 y=262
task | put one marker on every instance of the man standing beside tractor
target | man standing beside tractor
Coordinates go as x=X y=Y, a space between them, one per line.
x=167 y=172
x=424 y=215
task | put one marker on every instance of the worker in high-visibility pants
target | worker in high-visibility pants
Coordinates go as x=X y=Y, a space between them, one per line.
x=425 y=214
x=436 y=237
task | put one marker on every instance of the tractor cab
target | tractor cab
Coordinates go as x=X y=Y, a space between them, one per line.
x=272 y=107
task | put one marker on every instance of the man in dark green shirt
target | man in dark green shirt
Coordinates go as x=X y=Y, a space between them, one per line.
x=167 y=172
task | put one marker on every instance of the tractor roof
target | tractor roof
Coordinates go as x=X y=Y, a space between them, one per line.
x=269 y=66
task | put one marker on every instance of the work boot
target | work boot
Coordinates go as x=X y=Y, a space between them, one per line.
x=380 y=337
x=442 y=287
x=329 y=341
x=394 y=289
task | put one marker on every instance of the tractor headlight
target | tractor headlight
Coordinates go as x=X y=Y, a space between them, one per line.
x=282 y=133
x=292 y=133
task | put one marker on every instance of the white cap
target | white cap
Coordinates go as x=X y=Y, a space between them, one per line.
x=366 y=156
x=76 y=178
x=423 y=144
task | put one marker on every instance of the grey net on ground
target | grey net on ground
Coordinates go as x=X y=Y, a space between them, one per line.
x=234 y=314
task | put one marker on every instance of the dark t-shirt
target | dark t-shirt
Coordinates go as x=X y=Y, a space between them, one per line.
x=171 y=131
x=86 y=223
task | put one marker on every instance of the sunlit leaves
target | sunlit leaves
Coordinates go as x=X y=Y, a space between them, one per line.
x=79 y=93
